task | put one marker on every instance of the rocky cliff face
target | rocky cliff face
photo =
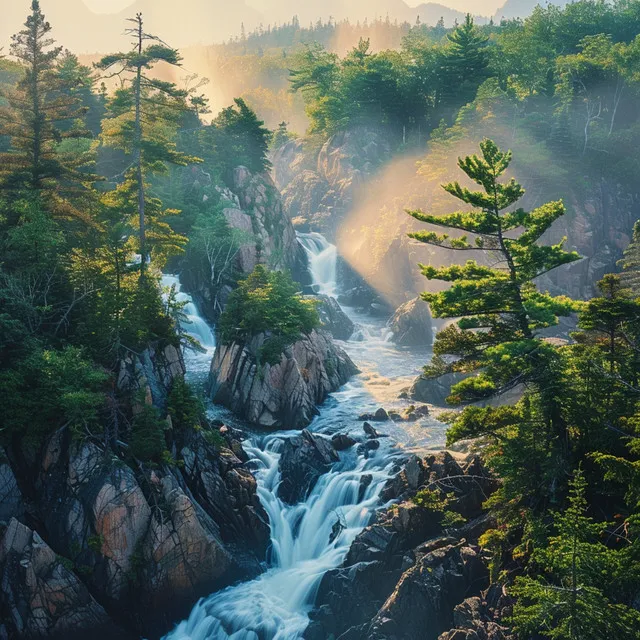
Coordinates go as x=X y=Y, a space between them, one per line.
x=405 y=574
x=145 y=542
x=253 y=208
x=411 y=324
x=284 y=395
x=318 y=190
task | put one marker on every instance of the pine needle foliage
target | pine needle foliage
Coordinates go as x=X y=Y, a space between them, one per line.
x=500 y=309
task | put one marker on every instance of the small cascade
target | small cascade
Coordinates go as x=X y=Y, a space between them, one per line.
x=194 y=325
x=323 y=260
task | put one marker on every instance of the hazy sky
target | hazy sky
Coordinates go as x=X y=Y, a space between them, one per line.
x=481 y=7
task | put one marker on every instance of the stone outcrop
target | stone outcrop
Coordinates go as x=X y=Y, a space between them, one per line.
x=41 y=596
x=252 y=207
x=434 y=390
x=11 y=502
x=304 y=459
x=319 y=190
x=404 y=574
x=146 y=543
x=283 y=395
x=151 y=372
x=333 y=318
x=411 y=324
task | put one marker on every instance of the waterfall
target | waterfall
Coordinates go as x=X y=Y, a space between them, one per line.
x=194 y=325
x=275 y=605
x=323 y=259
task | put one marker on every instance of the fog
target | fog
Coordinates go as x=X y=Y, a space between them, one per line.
x=86 y=26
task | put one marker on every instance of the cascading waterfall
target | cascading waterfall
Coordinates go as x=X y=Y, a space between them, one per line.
x=194 y=325
x=323 y=259
x=275 y=605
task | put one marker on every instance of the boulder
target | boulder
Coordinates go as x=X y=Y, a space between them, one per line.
x=304 y=459
x=333 y=318
x=411 y=325
x=434 y=390
x=341 y=441
x=40 y=597
x=380 y=415
x=283 y=395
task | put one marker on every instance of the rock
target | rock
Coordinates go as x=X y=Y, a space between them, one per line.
x=411 y=414
x=434 y=390
x=341 y=441
x=151 y=372
x=227 y=491
x=40 y=596
x=379 y=416
x=284 y=395
x=422 y=603
x=370 y=431
x=304 y=459
x=182 y=554
x=11 y=502
x=333 y=318
x=411 y=325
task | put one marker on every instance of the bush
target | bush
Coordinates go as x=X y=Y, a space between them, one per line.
x=147 y=438
x=184 y=406
x=268 y=302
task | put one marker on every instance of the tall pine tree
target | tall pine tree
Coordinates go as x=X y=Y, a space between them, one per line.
x=143 y=118
x=38 y=115
x=499 y=306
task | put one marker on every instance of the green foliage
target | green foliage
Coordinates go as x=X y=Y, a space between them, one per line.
x=499 y=306
x=148 y=442
x=184 y=407
x=236 y=137
x=268 y=302
x=569 y=598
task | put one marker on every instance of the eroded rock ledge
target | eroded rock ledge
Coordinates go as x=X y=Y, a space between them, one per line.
x=284 y=395
x=406 y=574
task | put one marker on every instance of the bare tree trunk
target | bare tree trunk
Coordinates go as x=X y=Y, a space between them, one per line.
x=138 y=152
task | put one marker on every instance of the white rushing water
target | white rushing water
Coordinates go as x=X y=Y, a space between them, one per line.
x=275 y=605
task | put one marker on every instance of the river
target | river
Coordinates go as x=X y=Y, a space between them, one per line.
x=275 y=605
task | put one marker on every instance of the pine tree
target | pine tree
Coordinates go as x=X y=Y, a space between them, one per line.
x=565 y=599
x=464 y=65
x=499 y=305
x=38 y=116
x=144 y=114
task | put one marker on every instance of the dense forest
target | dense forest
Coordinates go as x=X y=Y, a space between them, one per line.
x=118 y=170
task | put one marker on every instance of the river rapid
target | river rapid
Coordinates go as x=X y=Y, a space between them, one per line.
x=275 y=605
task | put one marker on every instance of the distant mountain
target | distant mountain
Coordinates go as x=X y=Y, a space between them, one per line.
x=523 y=8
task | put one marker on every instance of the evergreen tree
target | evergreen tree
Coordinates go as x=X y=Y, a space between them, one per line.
x=499 y=306
x=631 y=262
x=39 y=115
x=567 y=598
x=464 y=65
x=143 y=117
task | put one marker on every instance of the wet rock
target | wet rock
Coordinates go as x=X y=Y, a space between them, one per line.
x=304 y=459
x=411 y=325
x=411 y=414
x=333 y=318
x=39 y=594
x=365 y=483
x=342 y=442
x=227 y=491
x=434 y=390
x=284 y=395
x=379 y=416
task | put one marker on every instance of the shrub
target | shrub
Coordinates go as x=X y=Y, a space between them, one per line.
x=147 y=438
x=268 y=302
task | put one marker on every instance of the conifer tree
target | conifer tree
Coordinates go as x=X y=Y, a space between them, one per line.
x=464 y=65
x=499 y=306
x=143 y=117
x=566 y=598
x=37 y=116
x=631 y=262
